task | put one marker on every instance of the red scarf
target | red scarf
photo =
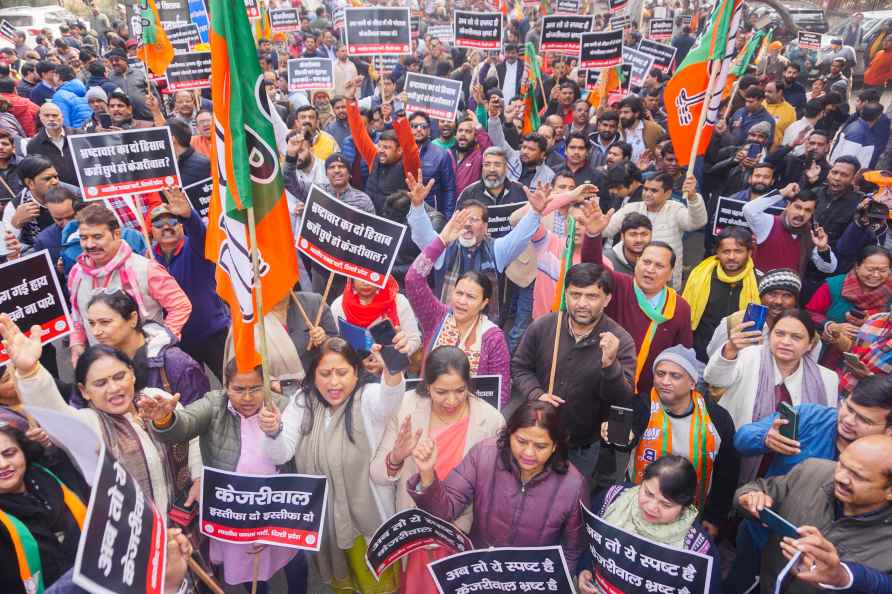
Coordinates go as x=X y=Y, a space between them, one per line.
x=870 y=301
x=383 y=304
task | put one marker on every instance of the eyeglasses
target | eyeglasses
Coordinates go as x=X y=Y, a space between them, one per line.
x=243 y=390
x=165 y=222
x=420 y=126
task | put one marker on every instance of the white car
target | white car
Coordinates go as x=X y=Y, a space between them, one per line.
x=32 y=20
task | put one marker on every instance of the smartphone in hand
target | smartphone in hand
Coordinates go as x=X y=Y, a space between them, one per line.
x=777 y=524
x=758 y=313
x=791 y=429
x=619 y=424
x=384 y=333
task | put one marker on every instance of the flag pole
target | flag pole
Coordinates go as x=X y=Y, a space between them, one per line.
x=258 y=304
x=707 y=99
x=734 y=88
x=555 y=349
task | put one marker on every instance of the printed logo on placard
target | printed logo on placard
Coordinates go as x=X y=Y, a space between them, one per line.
x=650 y=454
x=93 y=191
x=374 y=276
x=209 y=528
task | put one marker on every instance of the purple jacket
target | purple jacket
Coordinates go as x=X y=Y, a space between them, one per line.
x=507 y=513
x=494 y=357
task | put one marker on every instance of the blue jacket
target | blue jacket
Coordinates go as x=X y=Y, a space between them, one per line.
x=742 y=120
x=867 y=580
x=436 y=163
x=195 y=274
x=817 y=438
x=72 y=102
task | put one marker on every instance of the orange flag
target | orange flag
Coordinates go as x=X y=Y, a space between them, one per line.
x=155 y=50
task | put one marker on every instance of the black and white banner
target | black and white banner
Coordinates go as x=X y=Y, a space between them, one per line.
x=621 y=22
x=660 y=29
x=486 y=387
x=199 y=194
x=640 y=64
x=385 y=64
x=124 y=162
x=310 y=73
x=499 y=223
x=729 y=213
x=190 y=70
x=626 y=563
x=567 y=7
x=616 y=6
x=520 y=569
x=30 y=294
x=663 y=54
x=810 y=41
x=563 y=33
x=8 y=31
x=603 y=49
x=348 y=241
x=372 y=31
x=443 y=33
x=123 y=544
x=410 y=530
x=480 y=30
x=591 y=79
x=282 y=509
x=183 y=36
x=436 y=96
x=284 y=20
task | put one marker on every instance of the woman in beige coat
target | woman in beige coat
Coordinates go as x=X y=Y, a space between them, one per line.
x=444 y=408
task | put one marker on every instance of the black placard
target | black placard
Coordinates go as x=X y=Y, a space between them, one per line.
x=124 y=162
x=615 y=6
x=810 y=41
x=663 y=54
x=591 y=79
x=620 y=22
x=729 y=212
x=520 y=569
x=486 y=387
x=287 y=510
x=478 y=30
x=436 y=96
x=189 y=70
x=183 y=37
x=445 y=34
x=199 y=194
x=625 y=563
x=687 y=19
x=567 y=7
x=499 y=218
x=603 y=49
x=660 y=29
x=640 y=64
x=30 y=294
x=347 y=240
x=8 y=31
x=123 y=544
x=410 y=530
x=171 y=13
x=372 y=31
x=284 y=19
x=310 y=73
x=252 y=9
x=385 y=64
x=563 y=33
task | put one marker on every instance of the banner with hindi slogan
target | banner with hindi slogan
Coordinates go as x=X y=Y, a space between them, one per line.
x=498 y=223
x=348 y=241
x=478 y=30
x=377 y=31
x=615 y=6
x=620 y=22
x=310 y=73
x=640 y=64
x=438 y=97
x=124 y=162
x=410 y=530
x=486 y=388
x=563 y=33
x=123 y=544
x=603 y=49
x=625 y=563
x=284 y=20
x=567 y=7
x=30 y=295
x=810 y=41
x=199 y=194
x=183 y=37
x=660 y=29
x=514 y=569
x=189 y=70
x=663 y=54
x=729 y=213
x=282 y=509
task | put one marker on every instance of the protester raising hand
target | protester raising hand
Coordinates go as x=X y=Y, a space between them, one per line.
x=270 y=419
x=406 y=442
x=24 y=351
x=351 y=86
x=539 y=198
x=418 y=190
x=820 y=239
x=592 y=218
x=157 y=407
x=425 y=456
x=739 y=338
x=177 y=202
x=455 y=225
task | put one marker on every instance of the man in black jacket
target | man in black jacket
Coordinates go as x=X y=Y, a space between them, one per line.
x=51 y=142
x=194 y=167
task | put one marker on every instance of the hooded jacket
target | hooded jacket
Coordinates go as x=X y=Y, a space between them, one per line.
x=72 y=102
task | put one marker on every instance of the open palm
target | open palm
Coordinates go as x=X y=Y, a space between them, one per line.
x=24 y=351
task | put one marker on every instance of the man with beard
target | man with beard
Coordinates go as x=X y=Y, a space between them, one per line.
x=807 y=170
x=577 y=165
x=391 y=161
x=783 y=113
x=848 y=499
x=495 y=186
x=324 y=144
x=299 y=159
x=446 y=139
x=635 y=233
x=595 y=365
x=653 y=101
x=787 y=240
x=468 y=152
x=720 y=285
x=580 y=118
x=605 y=137
x=636 y=129
x=837 y=198
x=734 y=166
x=120 y=110
x=132 y=82
x=525 y=166
x=338 y=127
x=752 y=113
x=794 y=91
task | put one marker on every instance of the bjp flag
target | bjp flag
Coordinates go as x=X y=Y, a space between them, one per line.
x=155 y=50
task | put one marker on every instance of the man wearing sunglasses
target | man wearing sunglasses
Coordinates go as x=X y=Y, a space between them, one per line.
x=436 y=164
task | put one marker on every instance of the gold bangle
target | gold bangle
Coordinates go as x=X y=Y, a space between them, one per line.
x=164 y=422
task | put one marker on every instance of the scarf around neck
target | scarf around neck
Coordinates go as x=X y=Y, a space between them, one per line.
x=382 y=304
x=870 y=301
x=657 y=317
x=624 y=513
x=100 y=276
x=696 y=291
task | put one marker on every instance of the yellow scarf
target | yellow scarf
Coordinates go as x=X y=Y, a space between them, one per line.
x=696 y=291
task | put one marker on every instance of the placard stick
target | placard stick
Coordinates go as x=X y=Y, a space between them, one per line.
x=254 y=572
x=702 y=123
x=258 y=306
x=734 y=88
x=602 y=86
x=301 y=309
x=554 y=351
x=331 y=276
x=130 y=201
x=201 y=574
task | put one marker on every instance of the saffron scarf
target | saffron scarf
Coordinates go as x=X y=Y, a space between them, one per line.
x=656 y=442
x=696 y=291
x=670 y=299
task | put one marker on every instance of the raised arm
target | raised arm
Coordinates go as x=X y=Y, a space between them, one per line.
x=365 y=147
